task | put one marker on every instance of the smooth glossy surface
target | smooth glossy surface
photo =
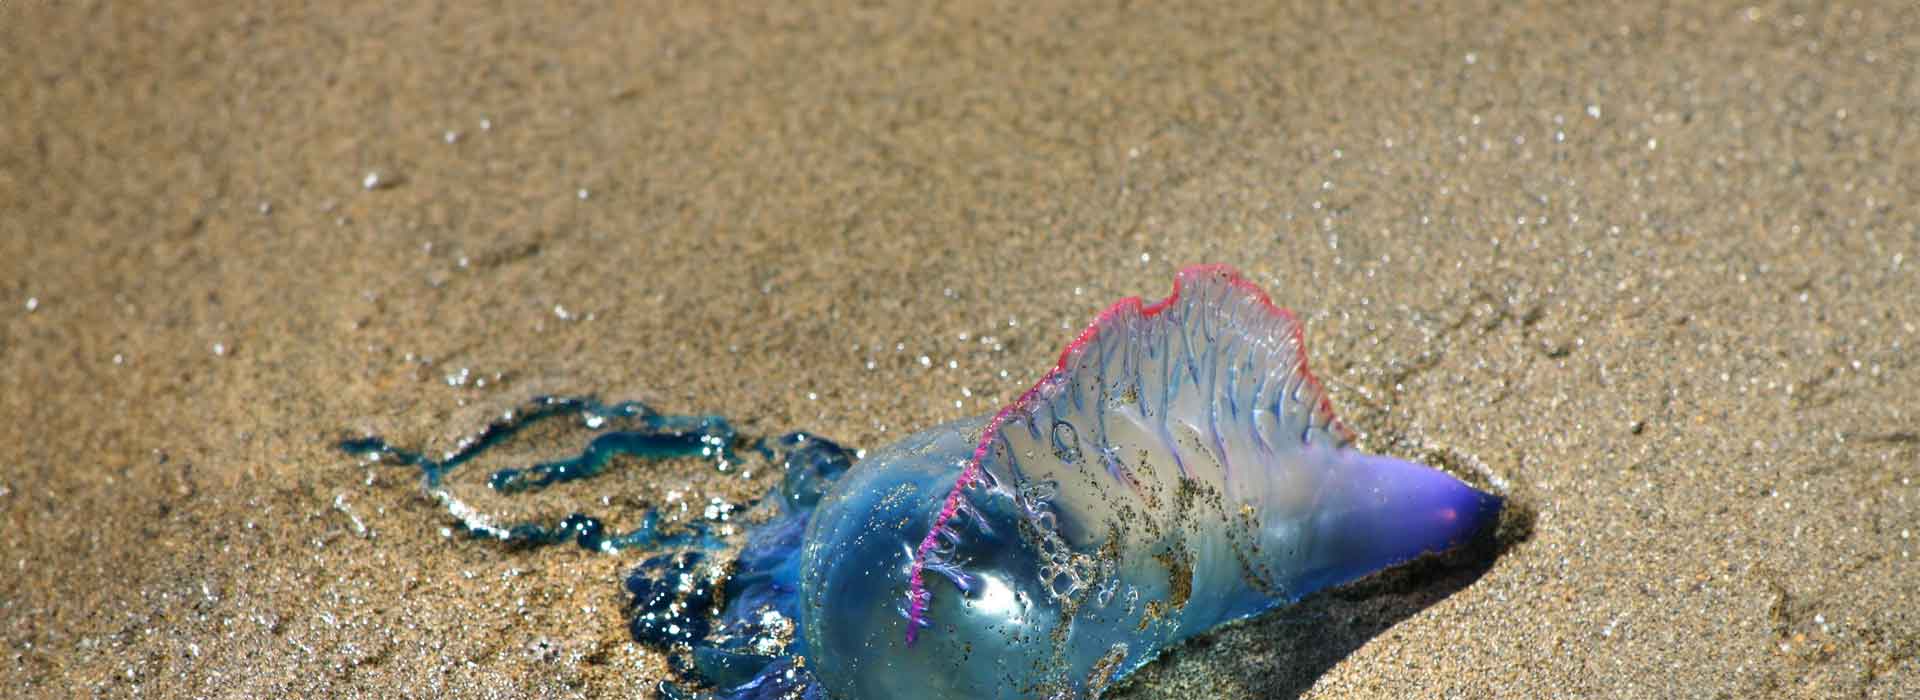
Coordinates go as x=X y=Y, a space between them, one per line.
x=1179 y=469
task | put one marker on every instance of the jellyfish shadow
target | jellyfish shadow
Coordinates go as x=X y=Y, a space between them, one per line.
x=1281 y=654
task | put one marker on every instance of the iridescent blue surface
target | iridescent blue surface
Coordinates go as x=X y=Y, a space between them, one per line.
x=1178 y=470
x=997 y=629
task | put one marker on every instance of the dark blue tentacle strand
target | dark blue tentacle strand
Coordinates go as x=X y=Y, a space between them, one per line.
x=726 y=625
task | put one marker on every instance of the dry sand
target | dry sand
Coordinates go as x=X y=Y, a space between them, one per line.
x=1656 y=265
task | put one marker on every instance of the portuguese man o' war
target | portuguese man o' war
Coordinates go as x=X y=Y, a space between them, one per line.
x=1178 y=469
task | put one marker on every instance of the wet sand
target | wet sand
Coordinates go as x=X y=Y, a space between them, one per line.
x=1657 y=267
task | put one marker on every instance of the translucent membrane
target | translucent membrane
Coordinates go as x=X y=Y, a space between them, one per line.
x=1178 y=469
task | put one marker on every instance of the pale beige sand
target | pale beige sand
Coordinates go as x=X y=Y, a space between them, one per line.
x=1658 y=266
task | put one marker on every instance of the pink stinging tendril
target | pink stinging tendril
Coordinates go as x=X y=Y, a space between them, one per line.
x=917 y=594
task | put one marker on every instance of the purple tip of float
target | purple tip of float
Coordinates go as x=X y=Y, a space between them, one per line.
x=1379 y=511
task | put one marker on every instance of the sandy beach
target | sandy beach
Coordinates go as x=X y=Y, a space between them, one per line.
x=1654 y=266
